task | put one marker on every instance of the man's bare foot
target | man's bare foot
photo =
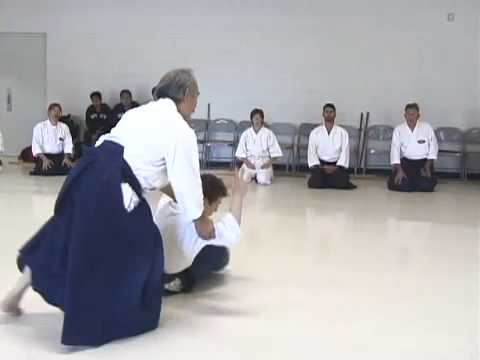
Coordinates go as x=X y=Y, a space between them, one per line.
x=11 y=307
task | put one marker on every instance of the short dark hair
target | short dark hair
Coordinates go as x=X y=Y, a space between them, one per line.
x=213 y=187
x=153 y=91
x=96 y=94
x=125 y=91
x=412 y=106
x=329 y=106
x=53 y=106
x=257 y=112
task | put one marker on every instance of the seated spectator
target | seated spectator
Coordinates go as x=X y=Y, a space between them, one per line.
x=328 y=154
x=414 y=149
x=126 y=103
x=52 y=145
x=257 y=149
x=97 y=119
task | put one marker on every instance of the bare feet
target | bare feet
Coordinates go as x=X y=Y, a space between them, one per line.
x=11 y=303
x=10 y=306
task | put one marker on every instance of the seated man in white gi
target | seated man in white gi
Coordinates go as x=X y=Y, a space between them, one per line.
x=257 y=149
x=414 y=149
x=188 y=258
x=328 y=154
x=52 y=145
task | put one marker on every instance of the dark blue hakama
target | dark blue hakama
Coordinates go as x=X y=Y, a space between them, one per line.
x=100 y=264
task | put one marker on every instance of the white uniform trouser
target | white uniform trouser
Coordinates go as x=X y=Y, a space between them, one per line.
x=264 y=176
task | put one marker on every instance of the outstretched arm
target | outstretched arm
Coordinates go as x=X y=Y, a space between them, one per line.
x=239 y=191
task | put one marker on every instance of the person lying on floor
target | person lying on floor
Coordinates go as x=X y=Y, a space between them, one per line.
x=52 y=145
x=414 y=149
x=257 y=149
x=328 y=154
x=188 y=258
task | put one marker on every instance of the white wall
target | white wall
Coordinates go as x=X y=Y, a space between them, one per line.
x=285 y=56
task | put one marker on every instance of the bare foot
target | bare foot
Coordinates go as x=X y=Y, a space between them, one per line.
x=11 y=307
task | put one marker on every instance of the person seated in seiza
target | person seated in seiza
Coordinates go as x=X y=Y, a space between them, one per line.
x=52 y=145
x=414 y=149
x=257 y=149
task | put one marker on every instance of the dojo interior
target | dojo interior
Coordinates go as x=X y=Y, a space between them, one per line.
x=368 y=273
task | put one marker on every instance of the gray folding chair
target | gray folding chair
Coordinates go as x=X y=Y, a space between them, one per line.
x=450 y=150
x=221 y=140
x=472 y=152
x=354 y=144
x=301 y=154
x=242 y=126
x=286 y=134
x=377 y=147
x=200 y=126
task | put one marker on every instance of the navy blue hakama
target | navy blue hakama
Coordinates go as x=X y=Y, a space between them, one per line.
x=98 y=263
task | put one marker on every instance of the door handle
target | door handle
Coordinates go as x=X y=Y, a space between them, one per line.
x=9 y=100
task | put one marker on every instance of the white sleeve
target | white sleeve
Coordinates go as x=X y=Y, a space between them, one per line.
x=37 y=141
x=183 y=170
x=313 y=159
x=344 y=158
x=395 y=148
x=67 y=142
x=2 y=149
x=227 y=231
x=273 y=147
x=433 y=145
x=241 y=152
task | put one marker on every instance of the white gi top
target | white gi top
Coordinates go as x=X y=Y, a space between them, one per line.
x=421 y=143
x=49 y=139
x=258 y=146
x=161 y=148
x=181 y=243
x=333 y=147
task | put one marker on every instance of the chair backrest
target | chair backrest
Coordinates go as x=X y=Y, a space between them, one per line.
x=449 y=135
x=222 y=130
x=380 y=132
x=200 y=126
x=304 y=131
x=353 y=134
x=242 y=126
x=472 y=136
x=285 y=132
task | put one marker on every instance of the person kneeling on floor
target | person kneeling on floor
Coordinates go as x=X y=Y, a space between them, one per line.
x=414 y=149
x=188 y=258
x=328 y=154
x=257 y=149
x=52 y=145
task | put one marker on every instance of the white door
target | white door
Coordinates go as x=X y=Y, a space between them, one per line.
x=23 y=79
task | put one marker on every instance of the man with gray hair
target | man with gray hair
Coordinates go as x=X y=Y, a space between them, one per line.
x=99 y=258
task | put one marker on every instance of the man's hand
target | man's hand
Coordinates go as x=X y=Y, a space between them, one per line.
x=249 y=165
x=400 y=176
x=67 y=162
x=267 y=165
x=330 y=169
x=205 y=228
x=240 y=185
x=46 y=163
